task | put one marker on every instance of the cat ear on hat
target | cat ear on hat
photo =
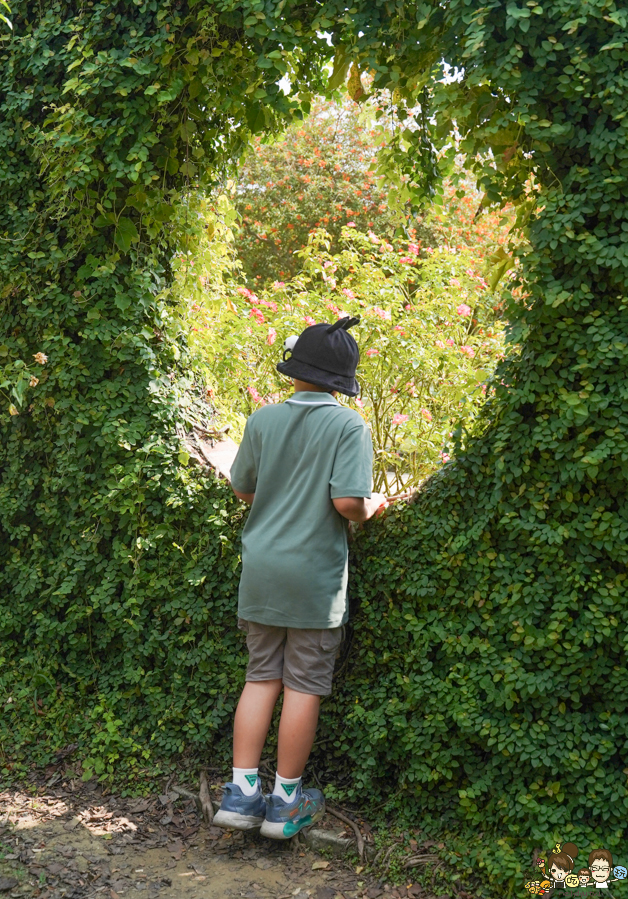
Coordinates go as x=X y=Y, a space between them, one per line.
x=344 y=324
x=289 y=345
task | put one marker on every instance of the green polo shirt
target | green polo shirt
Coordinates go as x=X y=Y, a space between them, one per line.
x=296 y=457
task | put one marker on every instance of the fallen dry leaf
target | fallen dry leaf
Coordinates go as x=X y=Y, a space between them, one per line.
x=320 y=866
x=175 y=849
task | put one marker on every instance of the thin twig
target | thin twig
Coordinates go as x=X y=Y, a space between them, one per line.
x=206 y=803
x=188 y=794
x=358 y=836
x=378 y=855
x=386 y=859
x=421 y=860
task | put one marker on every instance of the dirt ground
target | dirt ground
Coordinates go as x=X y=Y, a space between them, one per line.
x=73 y=842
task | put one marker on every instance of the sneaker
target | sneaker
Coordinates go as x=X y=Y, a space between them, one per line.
x=284 y=819
x=240 y=812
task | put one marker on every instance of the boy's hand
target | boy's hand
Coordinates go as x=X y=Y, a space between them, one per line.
x=359 y=509
x=379 y=502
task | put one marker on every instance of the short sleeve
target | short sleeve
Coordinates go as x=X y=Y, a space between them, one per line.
x=352 y=472
x=244 y=468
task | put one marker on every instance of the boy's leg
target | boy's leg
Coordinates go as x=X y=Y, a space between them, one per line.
x=309 y=659
x=243 y=805
x=297 y=729
x=252 y=720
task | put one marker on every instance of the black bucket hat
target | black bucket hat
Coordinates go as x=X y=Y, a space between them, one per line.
x=325 y=355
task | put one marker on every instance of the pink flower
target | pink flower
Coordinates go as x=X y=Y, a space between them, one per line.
x=255 y=395
x=351 y=225
x=399 y=419
x=427 y=415
x=277 y=285
x=373 y=237
x=400 y=329
x=439 y=344
x=411 y=388
x=454 y=282
x=257 y=315
x=468 y=351
x=271 y=336
x=449 y=341
x=348 y=293
x=382 y=313
x=413 y=248
x=463 y=309
x=444 y=457
x=333 y=308
x=407 y=260
x=247 y=293
x=372 y=352
x=309 y=320
x=359 y=403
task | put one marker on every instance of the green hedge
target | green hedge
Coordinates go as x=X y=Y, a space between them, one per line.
x=485 y=690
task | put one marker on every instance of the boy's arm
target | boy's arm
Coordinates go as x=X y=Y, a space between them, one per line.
x=359 y=508
x=245 y=497
x=244 y=468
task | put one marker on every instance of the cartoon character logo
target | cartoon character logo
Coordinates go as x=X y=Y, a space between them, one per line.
x=561 y=874
x=601 y=864
x=584 y=876
x=561 y=863
x=538 y=888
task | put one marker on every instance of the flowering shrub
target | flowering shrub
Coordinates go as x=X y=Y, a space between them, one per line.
x=316 y=176
x=428 y=340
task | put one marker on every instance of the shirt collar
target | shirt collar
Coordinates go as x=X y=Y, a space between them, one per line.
x=307 y=398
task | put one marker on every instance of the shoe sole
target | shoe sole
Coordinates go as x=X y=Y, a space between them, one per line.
x=235 y=821
x=287 y=829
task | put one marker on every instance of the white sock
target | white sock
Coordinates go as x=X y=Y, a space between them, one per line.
x=286 y=787
x=246 y=779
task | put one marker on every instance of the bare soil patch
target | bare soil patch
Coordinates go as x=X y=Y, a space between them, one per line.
x=74 y=841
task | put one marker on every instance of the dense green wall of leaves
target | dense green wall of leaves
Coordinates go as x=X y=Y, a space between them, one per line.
x=488 y=677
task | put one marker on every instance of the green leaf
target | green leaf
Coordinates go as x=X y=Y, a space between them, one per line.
x=125 y=234
x=342 y=61
x=255 y=118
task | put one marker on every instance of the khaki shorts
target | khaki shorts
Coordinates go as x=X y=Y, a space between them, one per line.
x=302 y=658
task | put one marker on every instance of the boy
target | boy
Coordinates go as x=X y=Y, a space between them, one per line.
x=305 y=465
